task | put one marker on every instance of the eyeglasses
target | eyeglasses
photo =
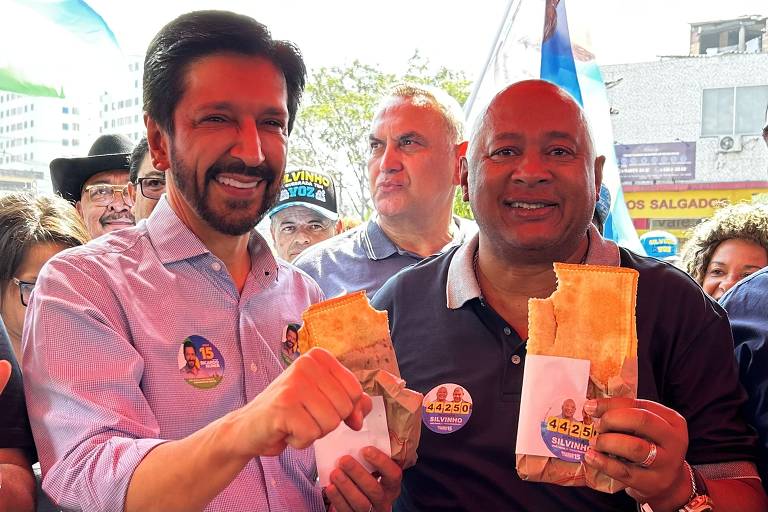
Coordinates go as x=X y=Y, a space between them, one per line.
x=152 y=188
x=103 y=194
x=25 y=290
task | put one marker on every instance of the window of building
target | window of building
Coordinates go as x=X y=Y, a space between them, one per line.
x=65 y=110
x=65 y=126
x=65 y=142
x=733 y=110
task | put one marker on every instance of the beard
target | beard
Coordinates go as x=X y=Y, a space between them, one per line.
x=229 y=217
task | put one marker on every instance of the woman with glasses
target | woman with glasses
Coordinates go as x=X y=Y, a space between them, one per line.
x=32 y=229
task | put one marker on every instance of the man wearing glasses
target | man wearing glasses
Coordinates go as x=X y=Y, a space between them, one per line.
x=146 y=184
x=97 y=184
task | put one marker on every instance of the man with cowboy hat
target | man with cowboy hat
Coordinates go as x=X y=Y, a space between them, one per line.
x=97 y=184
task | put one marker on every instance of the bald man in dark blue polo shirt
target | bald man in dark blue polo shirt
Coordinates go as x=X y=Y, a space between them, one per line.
x=461 y=319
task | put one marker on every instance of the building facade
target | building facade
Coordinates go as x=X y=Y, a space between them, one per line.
x=688 y=129
x=36 y=130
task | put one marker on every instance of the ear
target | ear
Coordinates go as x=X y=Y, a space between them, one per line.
x=599 y=163
x=461 y=152
x=158 y=142
x=463 y=178
x=339 y=227
x=79 y=208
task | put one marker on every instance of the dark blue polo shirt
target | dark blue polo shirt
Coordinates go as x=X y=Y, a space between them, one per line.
x=747 y=306
x=685 y=362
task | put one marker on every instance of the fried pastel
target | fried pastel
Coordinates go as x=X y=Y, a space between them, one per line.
x=591 y=316
x=343 y=324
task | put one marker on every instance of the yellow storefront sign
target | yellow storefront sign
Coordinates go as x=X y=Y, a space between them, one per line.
x=684 y=204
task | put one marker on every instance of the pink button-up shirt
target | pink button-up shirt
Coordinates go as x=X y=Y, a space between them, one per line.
x=103 y=350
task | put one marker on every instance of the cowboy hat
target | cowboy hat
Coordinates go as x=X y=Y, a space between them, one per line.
x=108 y=153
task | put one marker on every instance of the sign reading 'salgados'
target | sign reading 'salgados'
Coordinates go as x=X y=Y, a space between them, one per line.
x=663 y=161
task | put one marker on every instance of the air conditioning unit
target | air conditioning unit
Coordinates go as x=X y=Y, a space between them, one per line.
x=729 y=143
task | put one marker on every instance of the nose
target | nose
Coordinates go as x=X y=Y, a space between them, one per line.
x=247 y=148
x=123 y=203
x=531 y=170
x=728 y=282
x=301 y=238
x=390 y=160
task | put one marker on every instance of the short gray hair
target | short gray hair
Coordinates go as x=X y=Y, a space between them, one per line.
x=444 y=103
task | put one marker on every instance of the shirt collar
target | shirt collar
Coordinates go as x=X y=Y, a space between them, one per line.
x=462 y=283
x=174 y=241
x=378 y=245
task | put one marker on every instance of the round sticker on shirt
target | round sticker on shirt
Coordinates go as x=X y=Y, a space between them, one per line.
x=446 y=408
x=200 y=362
x=289 y=348
x=566 y=436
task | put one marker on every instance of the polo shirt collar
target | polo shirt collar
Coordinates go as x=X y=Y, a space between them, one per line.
x=174 y=241
x=378 y=246
x=462 y=283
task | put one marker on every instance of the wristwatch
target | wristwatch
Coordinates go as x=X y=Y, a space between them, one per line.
x=698 y=501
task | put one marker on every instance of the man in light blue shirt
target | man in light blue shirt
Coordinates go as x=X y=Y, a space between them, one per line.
x=416 y=146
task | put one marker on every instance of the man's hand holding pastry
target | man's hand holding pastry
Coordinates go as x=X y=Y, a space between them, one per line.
x=307 y=401
x=643 y=445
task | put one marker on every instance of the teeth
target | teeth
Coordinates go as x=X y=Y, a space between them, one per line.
x=527 y=206
x=237 y=184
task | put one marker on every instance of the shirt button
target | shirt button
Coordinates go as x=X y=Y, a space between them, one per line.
x=516 y=359
x=507 y=331
x=254 y=367
x=274 y=483
x=216 y=266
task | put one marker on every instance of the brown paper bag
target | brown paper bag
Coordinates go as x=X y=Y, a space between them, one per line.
x=591 y=316
x=358 y=336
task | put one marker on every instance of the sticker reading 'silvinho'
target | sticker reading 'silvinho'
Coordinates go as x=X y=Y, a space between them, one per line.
x=566 y=436
x=446 y=408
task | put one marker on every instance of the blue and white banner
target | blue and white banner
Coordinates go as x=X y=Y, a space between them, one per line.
x=55 y=47
x=538 y=40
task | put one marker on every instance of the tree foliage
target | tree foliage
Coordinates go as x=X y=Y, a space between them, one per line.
x=331 y=132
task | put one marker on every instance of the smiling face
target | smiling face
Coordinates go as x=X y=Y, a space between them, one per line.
x=413 y=163
x=100 y=219
x=532 y=178
x=190 y=357
x=227 y=153
x=568 y=408
x=732 y=261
